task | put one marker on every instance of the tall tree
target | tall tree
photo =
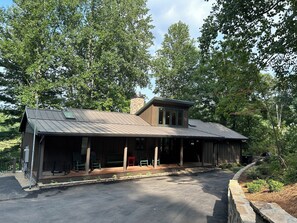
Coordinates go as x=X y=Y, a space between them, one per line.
x=88 y=54
x=113 y=46
x=175 y=63
x=268 y=27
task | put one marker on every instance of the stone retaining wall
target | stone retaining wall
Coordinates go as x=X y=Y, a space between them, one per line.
x=240 y=210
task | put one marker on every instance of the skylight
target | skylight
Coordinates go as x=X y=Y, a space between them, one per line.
x=68 y=114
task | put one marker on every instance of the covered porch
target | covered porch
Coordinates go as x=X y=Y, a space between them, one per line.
x=68 y=157
x=118 y=172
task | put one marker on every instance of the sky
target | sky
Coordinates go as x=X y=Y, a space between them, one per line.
x=165 y=13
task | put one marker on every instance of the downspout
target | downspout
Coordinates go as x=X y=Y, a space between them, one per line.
x=33 y=148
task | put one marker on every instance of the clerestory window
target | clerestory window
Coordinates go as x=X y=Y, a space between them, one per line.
x=172 y=117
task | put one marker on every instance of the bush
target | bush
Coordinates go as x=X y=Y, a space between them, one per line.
x=275 y=186
x=253 y=188
x=264 y=169
x=290 y=176
x=229 y=166
x=236 y=169
x=223 y=165
x=256 y=185
x=253 y=173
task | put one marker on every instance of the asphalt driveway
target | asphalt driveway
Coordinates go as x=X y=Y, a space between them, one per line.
x=10 y=189
x=198 y=198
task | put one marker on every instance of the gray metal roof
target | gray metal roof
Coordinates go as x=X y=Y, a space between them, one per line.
x=215 y=129
x=98 y=123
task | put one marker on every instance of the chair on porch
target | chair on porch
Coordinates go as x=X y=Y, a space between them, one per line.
x=95 y=164
x=143 y=158
x=77 y=163
x=131 y=160
x=143 y=162
x=158 y=162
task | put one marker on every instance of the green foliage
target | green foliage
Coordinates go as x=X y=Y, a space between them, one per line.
x=9 y=139
x=253 y=188
x=84 y=54
x=258 y=35
x=275 y=186
x=253 y=174
x=290 y=175
x=234 y=167
x=256 y=185
x=267 y=27
x=175 y=63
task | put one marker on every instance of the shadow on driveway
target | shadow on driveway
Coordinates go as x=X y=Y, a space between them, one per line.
x=10 y=189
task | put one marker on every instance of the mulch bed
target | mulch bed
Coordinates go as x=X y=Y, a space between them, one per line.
x=286 y=198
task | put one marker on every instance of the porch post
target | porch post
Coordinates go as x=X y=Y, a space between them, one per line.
x=88 y=155
x=213 y=154
x=181 y=152
x=202 y=158
x=41 y=156
x=156 y=154
x=125 y=155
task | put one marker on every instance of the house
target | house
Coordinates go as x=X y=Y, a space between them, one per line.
x=159 y=131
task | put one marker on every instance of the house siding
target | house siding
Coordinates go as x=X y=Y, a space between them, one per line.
x=229 y=152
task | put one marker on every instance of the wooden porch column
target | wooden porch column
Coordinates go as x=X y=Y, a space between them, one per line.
x=213 y=154
x=156 y=154
x=125 y=155
x=181 y=163
x=88 y=156
x=202 y=156
x=41 y=156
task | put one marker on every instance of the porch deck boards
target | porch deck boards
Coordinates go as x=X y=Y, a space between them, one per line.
x=119 y=170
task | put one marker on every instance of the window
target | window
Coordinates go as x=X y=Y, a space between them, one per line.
x=180 y=118
x=170 y=117
x=139 y=143
x=161 y=112
x=167 y=118
x=68 y=114
x=173 y=118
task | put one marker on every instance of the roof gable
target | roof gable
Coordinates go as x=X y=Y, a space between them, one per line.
x=166 y=102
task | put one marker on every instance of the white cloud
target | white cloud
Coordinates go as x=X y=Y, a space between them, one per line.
x=167 y=12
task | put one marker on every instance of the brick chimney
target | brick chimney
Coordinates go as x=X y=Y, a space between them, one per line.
x=136 y=104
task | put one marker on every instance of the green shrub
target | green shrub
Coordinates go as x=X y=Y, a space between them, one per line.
x=253 y=188
x=264 y=169
x=275 y=186
x=229 y=165
x=235 y=169
x=253 y=173
x=261 y=182
x=259 y=162
x=223 y=166
x=290 y=176
x=256 y=185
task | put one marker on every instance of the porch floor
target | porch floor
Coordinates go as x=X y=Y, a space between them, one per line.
x=110 y=171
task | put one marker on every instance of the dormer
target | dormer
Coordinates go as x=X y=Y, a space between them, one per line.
x=166 y=112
